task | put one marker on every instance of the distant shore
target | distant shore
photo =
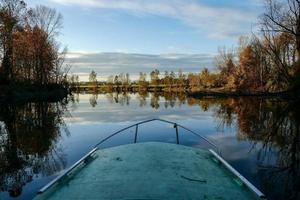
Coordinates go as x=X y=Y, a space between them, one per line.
x=287 y=94
x=195 y=92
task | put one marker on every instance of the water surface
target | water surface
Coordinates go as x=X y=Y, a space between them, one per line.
x=258 y=136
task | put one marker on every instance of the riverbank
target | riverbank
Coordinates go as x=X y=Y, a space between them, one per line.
x=283 y=94
x=129 y=88
x=26 y=93
x=194 y=92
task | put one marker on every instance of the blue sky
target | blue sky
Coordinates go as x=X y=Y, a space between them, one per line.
x=154 y=26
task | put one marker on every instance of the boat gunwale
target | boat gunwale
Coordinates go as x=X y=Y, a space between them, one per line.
x=245 y=181
x=65 y=172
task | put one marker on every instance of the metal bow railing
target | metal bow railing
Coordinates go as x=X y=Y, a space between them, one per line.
x=175 y=125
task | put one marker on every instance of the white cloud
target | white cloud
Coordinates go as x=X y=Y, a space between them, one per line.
x=106 y=64
x=216 y=22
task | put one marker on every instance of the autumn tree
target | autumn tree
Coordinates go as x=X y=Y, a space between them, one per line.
x=166 y=78
x=93 y=77
x=181 y=78
x=154 y=75
x=47 y=19
x=247 y=75
x=283 y=17
x=31 y=54
x=193 y=81
x=226 y=64
x=46 y=24
x=172 y=77
x=205 y=78
x=11 y=18
x=142 y=79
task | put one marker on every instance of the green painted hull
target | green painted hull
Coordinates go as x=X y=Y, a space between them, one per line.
x=150 y=171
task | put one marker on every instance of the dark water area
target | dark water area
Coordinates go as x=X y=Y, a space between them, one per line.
x=259 y=137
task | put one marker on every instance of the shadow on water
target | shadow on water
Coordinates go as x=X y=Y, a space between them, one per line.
x=28 y=143
x=30 y=135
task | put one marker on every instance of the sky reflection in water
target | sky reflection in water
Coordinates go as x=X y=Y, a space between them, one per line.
x=257 y=136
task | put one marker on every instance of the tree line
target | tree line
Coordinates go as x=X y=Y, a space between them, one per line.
x=155 y=79
x=268 y=61
x=30 y=53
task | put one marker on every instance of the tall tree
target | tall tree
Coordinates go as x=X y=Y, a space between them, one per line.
x=46 y=24
x=205 y=78
x=247 y=76
x=47 y=19
x=226 y=64
x=181 y=78
x=283 y=16
x=142 y=79
x=154 y=75
x=11 y=16
x=93 y=77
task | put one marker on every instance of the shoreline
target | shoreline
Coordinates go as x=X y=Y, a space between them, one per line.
x=196 y=93
x=53 y=93
x=287 y=94
x=32 y=93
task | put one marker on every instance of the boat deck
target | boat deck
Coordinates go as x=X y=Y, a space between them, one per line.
x=150 y=171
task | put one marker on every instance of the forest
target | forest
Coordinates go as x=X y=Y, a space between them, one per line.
x=31 y=56
x=267 y=61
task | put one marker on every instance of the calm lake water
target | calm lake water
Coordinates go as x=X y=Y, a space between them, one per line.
x=258 y=136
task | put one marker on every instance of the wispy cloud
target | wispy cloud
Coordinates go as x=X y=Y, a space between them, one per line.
x=215 y=21
x=106 y=64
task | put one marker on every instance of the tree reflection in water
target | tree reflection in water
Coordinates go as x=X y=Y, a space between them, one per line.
x=28 y=143
x=30 y=135
x=271 y=125
x=171 y=99
x=122 y=99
